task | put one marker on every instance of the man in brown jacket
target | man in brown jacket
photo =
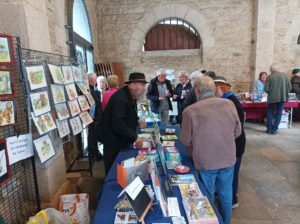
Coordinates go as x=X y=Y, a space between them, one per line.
x=209 y=129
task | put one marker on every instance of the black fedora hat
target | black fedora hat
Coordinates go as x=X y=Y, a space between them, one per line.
x=136 y=77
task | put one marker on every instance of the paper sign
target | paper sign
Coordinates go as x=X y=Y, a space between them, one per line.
x=134 y=188
x=173 y=207
x=129 y=162
x=19 y=148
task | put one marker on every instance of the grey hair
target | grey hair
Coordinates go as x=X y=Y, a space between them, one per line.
x=274 y=67
x=183 y=73
x=194 y=75
x=91 y=74
x=101 y=78
x=160 y=71
x=205 y=84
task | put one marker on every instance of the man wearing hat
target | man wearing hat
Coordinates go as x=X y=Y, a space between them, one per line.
x=119 y=120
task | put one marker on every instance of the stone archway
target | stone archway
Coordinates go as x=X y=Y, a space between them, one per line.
x=174 y=10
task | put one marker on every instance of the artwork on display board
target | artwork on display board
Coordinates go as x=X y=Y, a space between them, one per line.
x=74 y=107
x=44 y=123
x=68 y=74
x=58 y=93
x=71 y=91
x=6 y=83
x=36 y=76
x=44 y=148
x=83 y=88
x=7 y=113
x=63 y=128
x=86 y=118
x=77 y=73
x=56 y=74
x=90 y=99
x=76 y=125
x=40 y=103
x=7 y=55
x=4 y=163
x=62 y=111
x=83 y=103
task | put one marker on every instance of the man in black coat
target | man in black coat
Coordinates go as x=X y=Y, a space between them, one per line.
x=119 y=120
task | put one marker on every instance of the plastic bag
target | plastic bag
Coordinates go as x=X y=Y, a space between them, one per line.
x=50 y=216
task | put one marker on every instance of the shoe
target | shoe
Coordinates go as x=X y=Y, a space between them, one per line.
x=273 y=132
x=268 y=132
x=236 y=205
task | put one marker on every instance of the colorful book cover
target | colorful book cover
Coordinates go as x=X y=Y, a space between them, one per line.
x=190 y=190
x=173 y=156
x=168 y=143
x=177 y=179
x=169 y=137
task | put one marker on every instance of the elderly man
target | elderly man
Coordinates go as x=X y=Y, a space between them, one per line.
x=209 y=129
x=191 y=96
x=119 y=120
x=278 y=87
x=159 y=93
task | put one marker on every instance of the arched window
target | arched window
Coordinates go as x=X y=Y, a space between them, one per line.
x=172 y=34
x=80 y=34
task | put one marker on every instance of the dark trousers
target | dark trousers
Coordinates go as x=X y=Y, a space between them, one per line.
x=235 y=182
x=109 y=155
x=92 y=143
x=273 y=127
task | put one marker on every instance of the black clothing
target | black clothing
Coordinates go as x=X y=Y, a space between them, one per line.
x=118 y=124
x=153 y=94
x=190 y=99
x=180 y=100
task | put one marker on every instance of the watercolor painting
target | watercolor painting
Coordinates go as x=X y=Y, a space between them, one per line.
x=63 y=128
x=68 y=74
x=58 y=93
x=83 y=103
x=90 y=99
x=86 y=118
x=44 y=123
x=40 y=103
x=56 y=74
x=62 y=111
x=6 y=51
x=74 y=107
x=44 y=148
x=77 y=72
x=36 y=76
x=83 y=88
x=7 y=113
x=71 y=91
x=76 y=125
x=5 y=83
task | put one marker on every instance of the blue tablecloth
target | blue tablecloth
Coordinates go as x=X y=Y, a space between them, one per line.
x=105 y=212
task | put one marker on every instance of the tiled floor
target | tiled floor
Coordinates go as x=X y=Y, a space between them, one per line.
x=269 y=191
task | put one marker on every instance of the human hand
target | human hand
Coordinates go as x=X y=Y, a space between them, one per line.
x=139 y=142
x=175 y=97
x=142 y=123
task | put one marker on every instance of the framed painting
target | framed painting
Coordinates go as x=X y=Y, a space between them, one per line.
x=36 y=76
x=7 y=55
x=62 y=111
x=68 y=74
x=63 y=128
x=83 y=103
x=83 y=88
x=76 y=125
x=74 y=107
x=86 y=118
x=6 y=83
x=77 y=72
x=90 y=99
x=44 y=123
x=56 y=74
x=7 y=113
x=40 y=103
x=4 y=163
x=44 y=148
x=71 y=91
x=58 y=93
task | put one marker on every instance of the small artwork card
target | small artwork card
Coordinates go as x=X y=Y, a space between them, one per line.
x=71 y=91
x=4 y=163
x=44 y=123
x=36 y=76
x=76 y=125
x=7 y=113
x=74 y=107
x=63 y=128
x=77 y=72
x=56 y=74
x=90 y=99
x=44 y=148
x=62 y=111
x=86 y=118
x=58 y=93
x=6 y=87
x=168 y=143
x=125 y=217
x=83 y=88
x=83 y=103
x=68 y=74
x=40 y=103
x=6 y=50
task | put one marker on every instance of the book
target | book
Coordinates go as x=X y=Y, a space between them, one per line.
x=125 y=218
x=172 y=164
x=168 y=143
x=177 y=179
x=170 y=149
x=173 y=156
x=190 y=190
x=169 y=137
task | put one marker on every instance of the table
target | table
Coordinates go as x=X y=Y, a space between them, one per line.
x=105 y=212
x=258 y=110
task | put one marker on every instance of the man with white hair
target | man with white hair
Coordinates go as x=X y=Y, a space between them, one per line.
x=159 y=93
x=191 y=96
x=209 y=129
x=278 y=87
